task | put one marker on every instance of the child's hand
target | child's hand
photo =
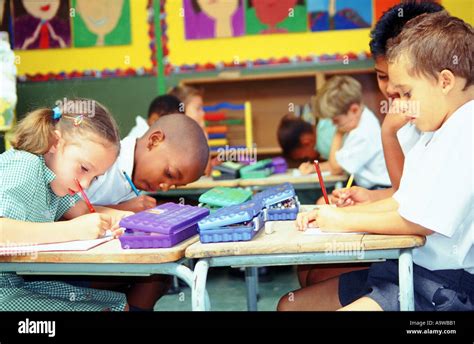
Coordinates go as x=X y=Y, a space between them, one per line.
x=306 y=219
x=330 y=219
x=93 y=226
x=307 y=168
x=326 y=217
x=139 y=203
x=352 y=196
x=394 y=120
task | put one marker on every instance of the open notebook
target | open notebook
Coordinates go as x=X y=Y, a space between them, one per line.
x=78 y=245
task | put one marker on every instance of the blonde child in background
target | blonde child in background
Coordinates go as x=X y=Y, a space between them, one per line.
x=356 y=147
x=192 y=99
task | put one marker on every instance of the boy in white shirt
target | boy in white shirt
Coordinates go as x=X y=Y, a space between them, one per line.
x=440 y=83
x=357 y=146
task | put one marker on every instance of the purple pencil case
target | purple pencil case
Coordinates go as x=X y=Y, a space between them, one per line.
x=279 y=165
x=163 y=226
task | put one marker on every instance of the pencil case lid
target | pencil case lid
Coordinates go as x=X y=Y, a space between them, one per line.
x=166 y=218
x=224 y=196
x=231 y=215
x=275 y=194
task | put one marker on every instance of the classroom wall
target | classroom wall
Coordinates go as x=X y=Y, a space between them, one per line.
x=125 y=97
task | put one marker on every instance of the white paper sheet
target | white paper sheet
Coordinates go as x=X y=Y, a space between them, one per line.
x=78 y=245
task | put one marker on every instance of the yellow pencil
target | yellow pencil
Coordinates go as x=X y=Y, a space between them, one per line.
x=349 y=182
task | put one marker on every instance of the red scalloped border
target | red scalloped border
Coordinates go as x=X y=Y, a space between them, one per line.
x=107 y=73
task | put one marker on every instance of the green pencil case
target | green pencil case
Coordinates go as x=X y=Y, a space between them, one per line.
x=224 y=197
x=261 y=169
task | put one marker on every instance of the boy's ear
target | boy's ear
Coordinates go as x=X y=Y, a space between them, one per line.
x=56 y=138
x=354 y=108
x=155 y=139
x=446 y=80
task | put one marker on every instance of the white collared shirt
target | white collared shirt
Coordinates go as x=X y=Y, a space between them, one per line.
x=436 y=192
x=361 y=153
x=408 y=136
x=112 y=187
x=140 y=128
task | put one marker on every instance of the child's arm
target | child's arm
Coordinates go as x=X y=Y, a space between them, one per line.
x=394 y=157
x=383 y=218
x=136 y=204
x=357 y=195
x=389 y=222
x=332 y=165
x=90 y=226
x=80 y=208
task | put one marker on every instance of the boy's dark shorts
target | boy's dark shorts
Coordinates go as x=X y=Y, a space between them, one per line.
x=441 y=290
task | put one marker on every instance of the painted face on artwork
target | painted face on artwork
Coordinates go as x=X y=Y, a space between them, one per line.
x=42 y=9
x=100 y=17
x=218 y=8
x=271 y=12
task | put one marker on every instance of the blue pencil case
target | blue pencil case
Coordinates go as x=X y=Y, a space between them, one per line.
x=163 y=226
x=279 y=203
x=235 y=223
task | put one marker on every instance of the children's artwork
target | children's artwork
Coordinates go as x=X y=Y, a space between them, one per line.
x=99 y=23
x=271 y=16
x=40 y=24
x=213 y=19
x=380 y=6
x=339 y=14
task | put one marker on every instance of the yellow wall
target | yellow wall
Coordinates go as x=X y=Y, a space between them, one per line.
x=463 y=9
x=138 y=54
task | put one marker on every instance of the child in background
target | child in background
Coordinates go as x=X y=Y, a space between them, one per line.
x=437 y=95
x=356 y=147
x=193 y=102
x=52 y=152
x=398 y=135
x=301 y=142
x=160 y=106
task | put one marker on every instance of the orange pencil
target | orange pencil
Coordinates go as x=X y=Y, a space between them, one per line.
x=84 y=196
x=321 y=181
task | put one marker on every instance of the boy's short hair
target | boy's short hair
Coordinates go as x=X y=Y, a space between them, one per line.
x=434 y=42
x=336 y=96
x=394 y=19
x=165 y=105
x=289 y=132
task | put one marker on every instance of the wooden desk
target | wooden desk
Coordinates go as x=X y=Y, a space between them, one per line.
x=108 y=259
x=288 y=246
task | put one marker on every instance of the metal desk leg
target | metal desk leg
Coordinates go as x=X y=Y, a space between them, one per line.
x=200 y=298
x=405 y=278
x=251 y=276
